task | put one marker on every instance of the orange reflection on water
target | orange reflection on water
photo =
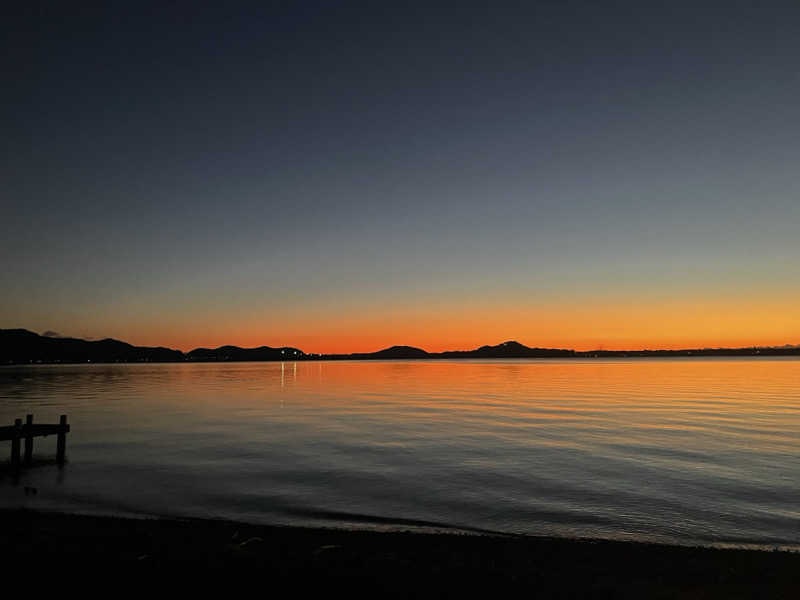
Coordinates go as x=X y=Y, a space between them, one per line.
x=658 y=446
x=473 y=385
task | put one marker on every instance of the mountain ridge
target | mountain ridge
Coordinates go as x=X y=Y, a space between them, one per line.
x=21 y=346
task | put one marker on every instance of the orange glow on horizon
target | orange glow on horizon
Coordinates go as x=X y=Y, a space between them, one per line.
x=436 y=328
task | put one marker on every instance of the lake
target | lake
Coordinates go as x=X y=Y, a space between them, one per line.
x=688 y=451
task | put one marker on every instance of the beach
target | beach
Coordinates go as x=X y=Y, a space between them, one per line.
x=388 y=563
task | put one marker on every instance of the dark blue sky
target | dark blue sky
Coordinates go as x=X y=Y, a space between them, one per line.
x=349 y=173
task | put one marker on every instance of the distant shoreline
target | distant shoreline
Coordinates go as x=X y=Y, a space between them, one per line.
x=20 y=347
x=323 y=358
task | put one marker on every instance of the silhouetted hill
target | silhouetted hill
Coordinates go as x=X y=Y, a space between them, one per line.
x=393 y=353
x=23 y=346
x=507 y=350
x=401 y=352
x=504 y=350
x=234 y=353
x=20 y=346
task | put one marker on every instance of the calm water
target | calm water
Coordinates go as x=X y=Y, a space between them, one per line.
x=688 y=451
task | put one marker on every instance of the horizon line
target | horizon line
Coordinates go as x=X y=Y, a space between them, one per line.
x=785 y=346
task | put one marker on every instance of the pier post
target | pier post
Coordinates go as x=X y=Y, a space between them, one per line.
x=28 y=439
x=62 y=440
x=15 y=443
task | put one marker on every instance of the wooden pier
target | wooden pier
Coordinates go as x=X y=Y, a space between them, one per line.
x=27 y=431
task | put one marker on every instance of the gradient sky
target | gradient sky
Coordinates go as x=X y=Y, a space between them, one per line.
x=344 y=176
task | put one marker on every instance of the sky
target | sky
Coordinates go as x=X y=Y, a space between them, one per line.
x=345 y=176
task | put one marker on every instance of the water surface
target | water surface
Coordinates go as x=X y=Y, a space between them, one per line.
x=678 y=450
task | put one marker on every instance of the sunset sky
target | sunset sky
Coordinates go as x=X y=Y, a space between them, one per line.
x=343 y=176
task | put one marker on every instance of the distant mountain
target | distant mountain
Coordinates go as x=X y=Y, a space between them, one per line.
x=234 y=353
x=23 y=346
x=510 y=349
x=393 y=353
x=401 y=352
x=20 y=346
x=504 y=350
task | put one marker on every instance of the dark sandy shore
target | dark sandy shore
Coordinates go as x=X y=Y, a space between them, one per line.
x=395 y=564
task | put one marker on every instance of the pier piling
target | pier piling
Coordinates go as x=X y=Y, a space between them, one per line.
x=15 y=443
x=28 y=439
x=62 y=439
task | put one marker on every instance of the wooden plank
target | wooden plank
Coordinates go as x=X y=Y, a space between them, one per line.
x=36 y=430
x=39 y=430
